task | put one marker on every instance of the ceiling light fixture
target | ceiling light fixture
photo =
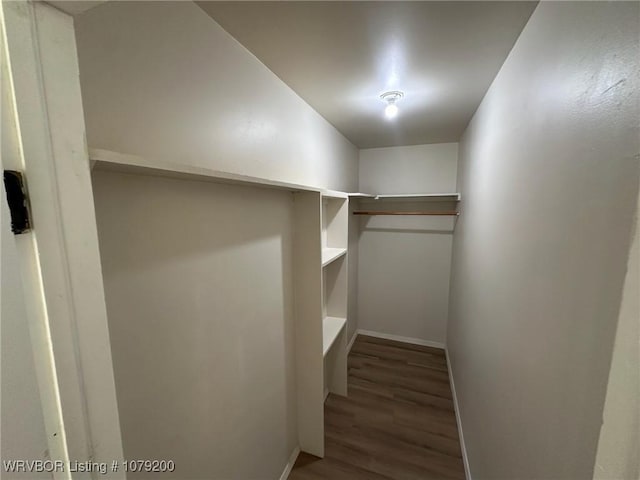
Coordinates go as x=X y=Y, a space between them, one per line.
x=391 y=111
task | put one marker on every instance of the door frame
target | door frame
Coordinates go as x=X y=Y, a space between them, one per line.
x=59 y=258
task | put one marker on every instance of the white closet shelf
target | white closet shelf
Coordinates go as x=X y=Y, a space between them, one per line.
x=331 y=254
x=122 y=162
x=331 y=327
x=414 y=197
x=361 y=195
x=335 y=194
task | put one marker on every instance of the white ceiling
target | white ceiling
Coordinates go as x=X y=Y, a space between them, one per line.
x=340 y=56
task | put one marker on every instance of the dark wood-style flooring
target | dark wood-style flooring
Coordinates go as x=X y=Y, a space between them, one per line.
x=397 y=423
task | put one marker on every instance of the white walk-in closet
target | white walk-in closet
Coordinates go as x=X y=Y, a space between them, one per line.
x=320 y=240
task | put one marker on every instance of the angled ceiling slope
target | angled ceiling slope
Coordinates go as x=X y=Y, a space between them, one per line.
x=340 y=56
x=75 y=7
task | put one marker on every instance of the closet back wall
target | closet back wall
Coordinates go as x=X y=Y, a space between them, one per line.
x=198 y=282
x=404 y=262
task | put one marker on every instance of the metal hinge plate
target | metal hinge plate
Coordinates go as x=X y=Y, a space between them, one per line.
x=18 y=202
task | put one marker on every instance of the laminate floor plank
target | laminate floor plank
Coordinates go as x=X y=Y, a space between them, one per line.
x=398 y=422
x=401 y=345
x=420 y=384
x=309 y=467
x=410 y=357
x=433 y=372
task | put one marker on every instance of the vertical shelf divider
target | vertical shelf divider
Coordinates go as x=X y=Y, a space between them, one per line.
x=307 y=272
x=320 y=302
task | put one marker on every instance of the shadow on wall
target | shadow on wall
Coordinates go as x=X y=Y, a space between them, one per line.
x=408 y=224
x=235 y=218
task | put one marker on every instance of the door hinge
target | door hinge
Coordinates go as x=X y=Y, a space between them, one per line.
x=18 y=202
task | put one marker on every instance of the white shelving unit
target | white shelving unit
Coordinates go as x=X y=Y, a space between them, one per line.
x=335 y=218
x=320 y=277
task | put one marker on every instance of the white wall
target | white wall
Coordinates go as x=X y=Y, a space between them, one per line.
x=23 y=432
x=164 y=81
x=22 y=422
x=412 y=169
x=549 y=177
x=198 y=283
x=619 y=442
x=404 y=262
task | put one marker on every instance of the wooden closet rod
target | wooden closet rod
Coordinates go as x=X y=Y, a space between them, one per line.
x=373 y=212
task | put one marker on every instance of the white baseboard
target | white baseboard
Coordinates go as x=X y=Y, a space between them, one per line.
x=290 y=463
x=397 y=338
x=465 y=459
x=353 y=339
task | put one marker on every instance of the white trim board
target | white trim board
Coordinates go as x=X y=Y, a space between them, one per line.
x=398 y=338
x=465 y=459
x=289 y=466
x=351 y=342
x=60 y=260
